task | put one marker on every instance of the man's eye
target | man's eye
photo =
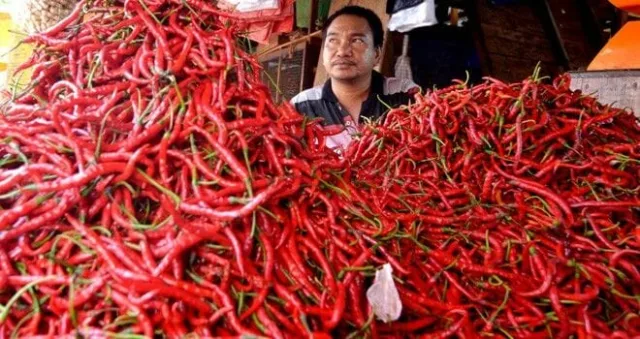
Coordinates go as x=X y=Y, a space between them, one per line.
x=358 y=40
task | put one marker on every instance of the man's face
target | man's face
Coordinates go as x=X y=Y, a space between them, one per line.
x=349 y=52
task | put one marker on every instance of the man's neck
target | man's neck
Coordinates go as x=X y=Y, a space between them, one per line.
x=356 y=88
x=352 y=93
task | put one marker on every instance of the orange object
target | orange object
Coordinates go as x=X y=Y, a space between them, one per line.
x=632 y=6
x=621 y=52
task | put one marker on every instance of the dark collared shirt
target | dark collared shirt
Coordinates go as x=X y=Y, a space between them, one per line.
x=321 y=102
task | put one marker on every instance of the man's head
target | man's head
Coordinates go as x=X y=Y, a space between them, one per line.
x=353 y=39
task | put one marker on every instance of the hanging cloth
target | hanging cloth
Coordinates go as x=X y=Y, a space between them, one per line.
x=253 y=5
x=283 y=10
x=403 y=64
x=265 y=23
x=411 y=18
x=395 y=6
x=261 y=19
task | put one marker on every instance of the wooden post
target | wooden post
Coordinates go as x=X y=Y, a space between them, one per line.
x=310 y=61
x=278 y=72
x=478 y=38
x=311 y=51
x=590 y=24
x=553 y=33
x=387 y=62
x=313 y=15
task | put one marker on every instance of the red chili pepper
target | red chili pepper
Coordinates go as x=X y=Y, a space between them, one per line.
x=122 y=300
x=182 y=243
x=538 y=189
x=272 y=328
x=560 y=313
x=224 y=153
x=228 y=215
x=142 y=166
x=40 y=220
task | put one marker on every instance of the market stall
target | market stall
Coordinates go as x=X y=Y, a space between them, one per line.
x=152 y=185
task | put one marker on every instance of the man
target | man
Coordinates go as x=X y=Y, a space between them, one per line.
x=355 y=92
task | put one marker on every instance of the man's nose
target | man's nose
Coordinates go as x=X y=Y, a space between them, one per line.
x=344 y=48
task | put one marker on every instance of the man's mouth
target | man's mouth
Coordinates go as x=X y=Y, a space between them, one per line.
x=343 y=63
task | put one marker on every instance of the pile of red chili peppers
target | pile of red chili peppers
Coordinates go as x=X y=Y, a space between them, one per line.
x=149 y=187
x=522 y=202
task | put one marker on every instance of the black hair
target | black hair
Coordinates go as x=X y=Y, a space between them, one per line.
x=372 y=18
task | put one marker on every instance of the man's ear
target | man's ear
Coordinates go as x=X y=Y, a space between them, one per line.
x=378 y=54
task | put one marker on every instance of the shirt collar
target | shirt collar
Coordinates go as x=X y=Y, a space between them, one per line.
x=377 y=87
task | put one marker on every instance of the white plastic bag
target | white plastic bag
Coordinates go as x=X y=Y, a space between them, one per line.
x=402 y=69
x=414 y=17
x=253 y=5
x=383 y=296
